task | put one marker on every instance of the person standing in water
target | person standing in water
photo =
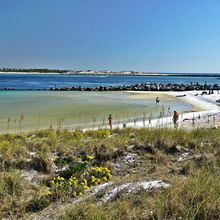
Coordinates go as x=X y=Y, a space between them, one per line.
x=175 y=119
x=110 y=121
x=157 y=100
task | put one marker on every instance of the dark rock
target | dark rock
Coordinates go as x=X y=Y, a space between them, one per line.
x=141 y=87
x=174 y=149
x=184 y=171
x=145 y=149
x=117 y=153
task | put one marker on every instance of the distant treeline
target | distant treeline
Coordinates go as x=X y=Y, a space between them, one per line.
x=33 y=70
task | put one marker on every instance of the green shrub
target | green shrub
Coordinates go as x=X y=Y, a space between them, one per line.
x=38 y=204
x=74 y=169
x=62 y=161
x=13 y=137
x=77 y=134
x=101 y=133
x=43 y=133
x=41 y=163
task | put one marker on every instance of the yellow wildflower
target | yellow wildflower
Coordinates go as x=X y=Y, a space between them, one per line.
x=86 y=187
x=109 y=176
x=90 y=157
x=93 y=179
x=99 y=170
x=105 y=179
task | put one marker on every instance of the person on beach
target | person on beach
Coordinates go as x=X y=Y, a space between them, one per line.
x=157 y=100
x=175 y=119
x=110 y=121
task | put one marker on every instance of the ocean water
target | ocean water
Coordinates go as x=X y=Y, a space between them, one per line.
x=30 y=110
x=46 y=81
x=32 y=106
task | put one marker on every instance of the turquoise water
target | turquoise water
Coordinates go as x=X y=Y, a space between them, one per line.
x=29 y=110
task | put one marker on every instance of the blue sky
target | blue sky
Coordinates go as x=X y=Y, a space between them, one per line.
x=143 y=35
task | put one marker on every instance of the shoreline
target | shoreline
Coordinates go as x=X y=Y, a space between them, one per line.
x=72 y=110
x=203 y=106
x=29 y=73
x=207 y=103
x=119 y=74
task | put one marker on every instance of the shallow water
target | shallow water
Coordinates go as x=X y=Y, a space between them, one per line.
x=29 y=110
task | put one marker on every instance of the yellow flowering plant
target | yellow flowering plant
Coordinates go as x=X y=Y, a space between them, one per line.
x=58 y=187
x=83 y=176
x=90 y=157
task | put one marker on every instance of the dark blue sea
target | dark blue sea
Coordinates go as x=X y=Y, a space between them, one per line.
x=47 y=81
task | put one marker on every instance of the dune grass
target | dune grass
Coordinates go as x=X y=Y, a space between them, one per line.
x=194 y=191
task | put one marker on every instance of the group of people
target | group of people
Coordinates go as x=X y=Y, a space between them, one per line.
x=175 y=120
x=175 y=117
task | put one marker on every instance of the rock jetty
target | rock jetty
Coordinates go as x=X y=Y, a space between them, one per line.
x=144 y=87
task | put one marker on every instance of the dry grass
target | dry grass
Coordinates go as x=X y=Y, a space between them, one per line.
x=194 y=191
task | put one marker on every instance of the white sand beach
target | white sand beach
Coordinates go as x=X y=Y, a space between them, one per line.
x=206 y=111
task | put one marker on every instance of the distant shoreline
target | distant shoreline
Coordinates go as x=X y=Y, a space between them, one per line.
x=29 y=73
x=116 y=74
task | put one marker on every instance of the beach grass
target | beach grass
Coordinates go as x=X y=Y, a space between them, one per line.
x=29 y=162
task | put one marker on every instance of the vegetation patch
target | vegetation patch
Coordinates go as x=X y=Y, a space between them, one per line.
x=74 y=171
x=77 y=179
x=38 y=204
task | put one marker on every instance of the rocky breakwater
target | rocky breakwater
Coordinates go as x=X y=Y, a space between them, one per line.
x=7 y=89
x=144 y=87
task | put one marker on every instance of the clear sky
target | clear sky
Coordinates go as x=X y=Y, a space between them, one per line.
x=143 y=35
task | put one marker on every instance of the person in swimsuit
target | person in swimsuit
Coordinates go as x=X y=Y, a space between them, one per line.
x=175 y=119
x=110 y=121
